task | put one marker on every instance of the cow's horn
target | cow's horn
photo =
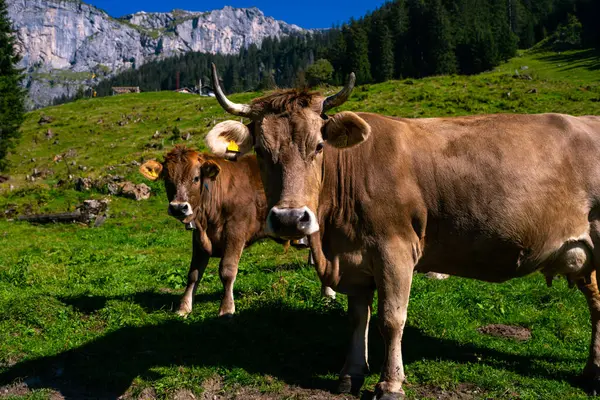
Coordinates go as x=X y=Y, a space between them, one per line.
x=340 y=97
x=242 y=110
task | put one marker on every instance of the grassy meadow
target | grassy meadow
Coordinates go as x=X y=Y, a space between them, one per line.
x=87 y=312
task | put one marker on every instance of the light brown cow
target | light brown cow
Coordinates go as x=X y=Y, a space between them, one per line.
x=489 y=197
x=225 y=205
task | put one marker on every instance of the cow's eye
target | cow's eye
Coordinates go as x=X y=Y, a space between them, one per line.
x=196 y=179
x=319 y=148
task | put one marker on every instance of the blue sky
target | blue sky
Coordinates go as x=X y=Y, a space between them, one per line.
x=305 y=13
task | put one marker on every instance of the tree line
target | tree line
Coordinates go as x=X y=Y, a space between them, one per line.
x=403 y=38
x=12 y=95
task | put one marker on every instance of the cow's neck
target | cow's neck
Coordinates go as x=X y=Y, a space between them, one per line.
x=339 y=192
x=339 y=198
x=211 y=201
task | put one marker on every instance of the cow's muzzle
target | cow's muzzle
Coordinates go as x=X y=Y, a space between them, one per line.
x=180 y=210
x=291 y=223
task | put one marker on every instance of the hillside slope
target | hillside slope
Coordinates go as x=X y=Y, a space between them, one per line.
x=114 y=131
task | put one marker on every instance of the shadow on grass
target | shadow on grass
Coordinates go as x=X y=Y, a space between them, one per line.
x=296 y=346
x=150 y=301
x=588 y=59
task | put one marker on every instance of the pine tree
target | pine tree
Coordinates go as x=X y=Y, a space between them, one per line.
x=358 y=53
x=12 y=96
x=231 y=80
x=338 y=54
x=399 y=25
x=382 y=61
x=504 y=37
x=440 y=49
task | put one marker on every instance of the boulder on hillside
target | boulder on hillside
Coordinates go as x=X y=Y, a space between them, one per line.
x=90 y=211
x=83 y=184
x=436 y=275
x=93 y=211
x=133 y=191
x=114 y=185
x=45 y=119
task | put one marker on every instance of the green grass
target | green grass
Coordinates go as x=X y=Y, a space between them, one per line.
x=89 y=310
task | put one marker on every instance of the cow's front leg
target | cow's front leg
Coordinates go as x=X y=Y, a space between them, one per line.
x=197 y=267
x=356 y=367
x=591 y=373
x=328 y=292
x=228 y=269
x=393 y=277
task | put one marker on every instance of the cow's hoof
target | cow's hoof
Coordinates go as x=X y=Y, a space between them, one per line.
x=328 y=293
x=350 y=384
x=225 y=315
x=183 y=313
x=380 y=395
x=590 y=381
x=389 y=396
x=594 y=387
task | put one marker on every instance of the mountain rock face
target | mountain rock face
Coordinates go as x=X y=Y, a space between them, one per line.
x=68 y=46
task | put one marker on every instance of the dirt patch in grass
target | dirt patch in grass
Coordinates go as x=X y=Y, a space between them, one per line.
x=214 y=390
x=463 y=391
x=287 y=392
x=506 y=331
x=184 y=394
x=16 y=389
x=20 y=389
x=146 y=394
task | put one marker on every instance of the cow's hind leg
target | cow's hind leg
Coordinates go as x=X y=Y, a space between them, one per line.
x=197 y=267
x=591 y=372
x=393 y=277
x=228 y=269
x=589 y=287
x=352 y=375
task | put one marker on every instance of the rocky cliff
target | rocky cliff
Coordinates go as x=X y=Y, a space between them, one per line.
x=68 y=45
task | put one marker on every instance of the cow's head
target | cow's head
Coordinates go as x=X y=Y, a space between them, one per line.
x=289 y=131
x=186 y=174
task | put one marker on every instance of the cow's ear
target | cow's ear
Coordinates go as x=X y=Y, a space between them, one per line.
x=229 y=139
x=346 y=129
x=151 y=169
x=210 y=170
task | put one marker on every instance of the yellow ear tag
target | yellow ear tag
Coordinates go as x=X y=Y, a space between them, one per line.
x=233 y=147
x=152 y=173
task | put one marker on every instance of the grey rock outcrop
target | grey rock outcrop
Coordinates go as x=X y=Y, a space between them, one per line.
x=68 y=46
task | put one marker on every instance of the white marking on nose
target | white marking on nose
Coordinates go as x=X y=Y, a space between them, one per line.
x=183 y=206
x=301 y=219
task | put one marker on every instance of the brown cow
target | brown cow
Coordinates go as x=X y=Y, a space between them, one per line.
x=225 y=205
x=489 y=197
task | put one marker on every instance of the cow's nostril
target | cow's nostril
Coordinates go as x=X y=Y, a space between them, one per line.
x=180 y=209
x=305 y=217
